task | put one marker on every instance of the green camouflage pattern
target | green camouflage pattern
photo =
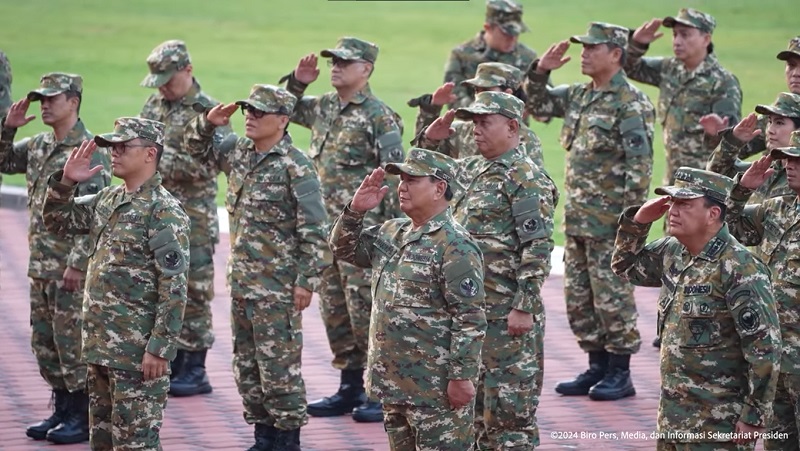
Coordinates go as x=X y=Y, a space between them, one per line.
x=691 y=183
x=350 y=48
x=5 y=85
x=136 y=281
x=493 y=102
x=684 y=97
x=792 y=49
x=270 y=99
x=164 y=61
x=427 y=325
x=55 y=83
x=430 y=428
x=720 y=337
x=692 y=18
x=194 y=184
x=491 y=75
x=787 y=105
x=784 y=414
x=130 y=128
x=125 y=411
x=422 y=162
x=463 y=62
x=508 y=207
x=609 y=136
x=507 y=14
x=603 y=33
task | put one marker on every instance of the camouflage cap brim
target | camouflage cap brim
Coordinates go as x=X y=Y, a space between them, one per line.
x=784 y=152
x=770 y=109
x=107 y=139
x=468 y=112
x=157 y=80
x=670 y=22
x=405 y=168
x=37 y=94
x=678 y=192
x=586 y=39
x=260 y=106
x=513 y=28
x=480 y=83
x=344 y=54
x=786 y=54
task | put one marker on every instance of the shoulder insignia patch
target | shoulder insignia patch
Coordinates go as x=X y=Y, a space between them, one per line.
x=468 y=287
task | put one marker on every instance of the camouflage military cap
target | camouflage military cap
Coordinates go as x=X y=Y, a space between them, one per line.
x=604 y=33
x=792 y=151
x=491 y=75
x=792 y=50
x=422 y=162
x=270 y=99
x=787 y=104
x=164 y=61
x=493 y=102
x=507 y=14
x=349 y=48
x=55 y=83
x=691 y=183
x=130 y=128
x=692 y=18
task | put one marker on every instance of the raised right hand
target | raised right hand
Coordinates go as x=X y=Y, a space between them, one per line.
x=370 y=194
x=648 y=32
x=17 y=114
x=747 y=128
x=652 y=210
x=443 y=94
x=554 y=57
x=441 y=128
x=221 y=114
x=307 y=71
x=76 y=169
x=757 y=173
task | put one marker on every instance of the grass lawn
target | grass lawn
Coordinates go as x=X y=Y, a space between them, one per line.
x=237 y=43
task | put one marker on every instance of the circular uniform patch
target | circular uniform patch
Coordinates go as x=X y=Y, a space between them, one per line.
x=468 y=286
x=530 y=225
x=749 y=320
x=172 y=260
x=704 y=308
x=396 y=154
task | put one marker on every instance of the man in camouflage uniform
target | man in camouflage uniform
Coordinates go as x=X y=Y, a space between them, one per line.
x=608 y=132
x=57 y=264
x=352 y=133
x=278 y=254
x=5 y=84
x=782 y=118
x=460 y=143
x=717 y=319
x=427 y=324
x=691 y=84
x=773 y=227
x=136 y=281
x=497 y=42
x=508 y=209
x=179 y=100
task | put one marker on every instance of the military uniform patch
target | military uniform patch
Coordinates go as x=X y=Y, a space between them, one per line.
x=530 y=225
x=172 y=260
x=749 y=320
x=699 y=328
x=468 y=286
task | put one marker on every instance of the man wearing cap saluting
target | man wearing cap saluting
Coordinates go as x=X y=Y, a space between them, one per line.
x=692 y=84
x=508 y=209
x=772 y=227
x=57 y=265
x=179 y=100
x=352 y=133
x=498 y=42
x=459 y=142
x=278 y=253
x=608 y=132
x=427 y=324
x=721 y=343
x=136 y=282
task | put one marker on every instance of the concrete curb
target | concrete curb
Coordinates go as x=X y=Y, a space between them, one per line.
x=15 y=197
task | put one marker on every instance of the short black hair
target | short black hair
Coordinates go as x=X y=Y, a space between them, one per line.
x=710 y=48
x=623 y=57
x=159 y=149
x=796 y=122
x=70 y=94
x=448 y=193
x=711 y=202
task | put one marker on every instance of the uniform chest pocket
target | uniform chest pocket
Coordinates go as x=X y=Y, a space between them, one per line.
x=489 y=211
x=700 y=318
x=127 y=243
x=414 y=283
x=269 y=194
x=353 y=146
x=600 y=133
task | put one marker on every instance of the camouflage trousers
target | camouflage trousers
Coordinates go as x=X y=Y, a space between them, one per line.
x=662 y=445
x=345 y=304
x=197 y=333
x=785 y=414
x=600 y=306
x=416 y=428
x=125 y=411
x=507 y=395
x=56 y=321
x=267 y=347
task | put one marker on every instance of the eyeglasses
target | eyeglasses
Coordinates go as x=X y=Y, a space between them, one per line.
x=255 y=112
x=122 y=148
x=342 y=62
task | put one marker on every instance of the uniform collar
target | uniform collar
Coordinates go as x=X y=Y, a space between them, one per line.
x=713 y=249
x=74 y=138
x=362 y=95
x=433 y=224
x=507 y=159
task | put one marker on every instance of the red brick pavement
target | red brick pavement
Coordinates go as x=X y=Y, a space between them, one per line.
x=215 y=421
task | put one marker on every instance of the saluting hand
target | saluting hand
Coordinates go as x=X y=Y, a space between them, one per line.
x=76 y=169
x=712 y=124
x=652 y=210
x=370 y=194
x=16 y=117
x=648 y=32
x=747 y=128
x=460 y=393
x=554 y=57
x=443 y=94
x=307 y=71
x=221 y=114
x=757 y=173
x=441 y=128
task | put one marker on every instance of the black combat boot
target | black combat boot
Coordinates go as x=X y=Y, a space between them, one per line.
x=617 y=382
x=286 y=440
x=176 y=365
x=193 y=379
x=350 y=395
x=598 y=364
x=369 y=412
x=265 y=436
x=75 y=427
x=657 y=342
x=39 y=430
